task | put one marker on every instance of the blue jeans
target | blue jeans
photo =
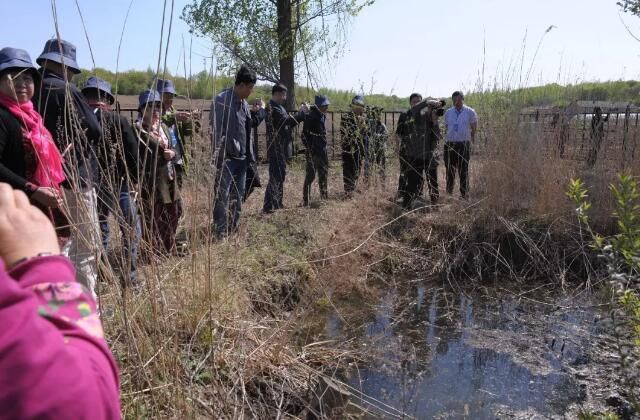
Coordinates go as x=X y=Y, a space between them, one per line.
x=275 y=189
x=231 y=181
x=128 y=221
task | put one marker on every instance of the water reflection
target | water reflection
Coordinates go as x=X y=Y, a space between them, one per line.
x=444 y=355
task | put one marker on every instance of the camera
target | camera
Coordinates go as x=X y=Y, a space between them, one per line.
x=430 y=105
x=437 y=105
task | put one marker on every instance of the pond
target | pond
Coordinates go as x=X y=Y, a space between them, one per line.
x=481 y=354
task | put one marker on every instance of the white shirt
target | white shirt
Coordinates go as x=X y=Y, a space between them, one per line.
x=459 y=123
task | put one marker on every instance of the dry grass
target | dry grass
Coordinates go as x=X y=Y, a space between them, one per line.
x=221 y=332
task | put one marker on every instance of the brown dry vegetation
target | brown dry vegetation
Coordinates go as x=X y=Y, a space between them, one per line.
x=221 y=333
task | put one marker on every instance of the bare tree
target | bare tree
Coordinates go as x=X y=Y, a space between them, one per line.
x=275 y=37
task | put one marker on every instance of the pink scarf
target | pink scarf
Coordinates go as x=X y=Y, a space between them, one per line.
x=49 y=172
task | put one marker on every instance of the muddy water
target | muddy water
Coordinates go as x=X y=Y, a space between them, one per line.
x=490 y=354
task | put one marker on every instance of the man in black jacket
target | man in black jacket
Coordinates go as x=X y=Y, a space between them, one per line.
x=258 y=114
x=421 y=152
x=404 y=130
x=279 y=146
x=76 y=132
x=118 y=160
x=314 y=137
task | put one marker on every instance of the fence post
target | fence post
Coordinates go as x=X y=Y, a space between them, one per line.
x=333 y=135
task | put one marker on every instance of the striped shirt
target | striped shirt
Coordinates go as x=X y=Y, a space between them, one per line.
x=459 y=123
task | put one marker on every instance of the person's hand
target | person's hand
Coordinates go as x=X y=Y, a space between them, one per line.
x=48 y=197
x=169 y=154
x=24 y=230
x=183 y=116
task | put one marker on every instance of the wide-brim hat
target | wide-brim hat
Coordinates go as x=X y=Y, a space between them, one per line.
x=15 y=58
x=148 y=96
x=165 y=86
x=358 y=100
x=62 y=52
x=321 y=100
x=96 y=83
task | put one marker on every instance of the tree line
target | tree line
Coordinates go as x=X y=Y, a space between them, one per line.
x=202 y=86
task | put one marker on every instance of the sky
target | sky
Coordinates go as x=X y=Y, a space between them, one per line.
x=393 y=47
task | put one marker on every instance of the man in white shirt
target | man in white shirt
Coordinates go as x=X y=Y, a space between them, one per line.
x=461 y=122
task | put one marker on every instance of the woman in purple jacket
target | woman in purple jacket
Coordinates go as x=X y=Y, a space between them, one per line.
x=54 y=362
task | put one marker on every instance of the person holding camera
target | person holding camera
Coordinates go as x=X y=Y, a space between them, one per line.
x=279 y=146
x=354 y=132
x=461 y=122
x=55 y=362
x=404 y=131
x=421 y=151
x=314 y=138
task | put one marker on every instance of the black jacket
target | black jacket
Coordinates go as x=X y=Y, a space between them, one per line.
x=17 y=162
x=419 y=135
x=279 y=124
x=118 y=152
x=70 y=122
x=314 y=131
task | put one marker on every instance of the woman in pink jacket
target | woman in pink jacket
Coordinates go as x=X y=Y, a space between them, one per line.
x=54 y=362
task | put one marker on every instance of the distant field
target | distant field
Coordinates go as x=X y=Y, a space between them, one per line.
x=131 y=102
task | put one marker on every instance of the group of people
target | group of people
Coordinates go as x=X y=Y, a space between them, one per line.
x=68 y=160
x=79 y=160
x=419 y=132
x=234 y=125
x=363 y=144
x=56 y=363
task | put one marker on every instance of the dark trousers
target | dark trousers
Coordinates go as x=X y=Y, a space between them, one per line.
x=379 y=160
x=456 y=158
x=179 y=169
x=273 y=196
x=351 y=163
x=231 y=180
x=161 y=223
x=317 y=163
x=253 y=180
x=415 y=174
x=402 y=178
x=129 y=223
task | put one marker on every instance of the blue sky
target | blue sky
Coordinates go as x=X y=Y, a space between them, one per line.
x=394 y=46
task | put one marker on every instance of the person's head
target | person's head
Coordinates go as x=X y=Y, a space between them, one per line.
x=245 y=81
x=168 y=91
x=59 y=56
x=415 y=99
x=458 y=99
x=150 y=106
x=98 y=92
x=597 y=110
x=357 y=104
x=322 y=103
x=376 y=113
x=279 y=93
x=17 y=75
